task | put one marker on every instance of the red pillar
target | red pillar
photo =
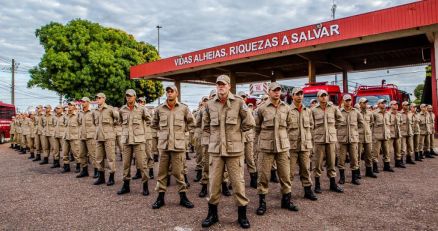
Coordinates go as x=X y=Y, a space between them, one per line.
x=434 y=64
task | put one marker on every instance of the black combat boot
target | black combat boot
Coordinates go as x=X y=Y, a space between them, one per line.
x=110 y=180
x=84 y=172
x=96 y=173
x=78 y=168
x=187 y=156
x=198 y=176
x=369 y=172
x=286 y=202
x=253 y=181
x=184 y=201
x=358 y=173
x=101 y=179
x=66 y=168
x=12 y=146
x=186 y=179
x=225 y=191
x=45 y=161
x=409 y=160
x=242 y=219
x=375 y=167
x=354 y=177
x=159 y=202
x=137 y=175
x=212 y=216
x=317 y=185
x=55 y=164
x=155 y=157
x=308 y=193
x=151 y=173
x=32 y=156
x=428 y=155
x=334 y=187
x=37 y=158
x=22 y=150
x=203 y=192
x=417 y=156
x=261 y=210
x=399 y=164
x=274 y=178
x=125 y=188
x=341 y=176
x=145 y=189
x=421 y=155
x=387 y=167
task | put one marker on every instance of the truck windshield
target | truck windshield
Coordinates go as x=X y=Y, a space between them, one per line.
x=372 y=99
x=308 y=98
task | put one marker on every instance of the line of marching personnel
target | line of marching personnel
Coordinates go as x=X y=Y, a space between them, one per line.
x=226 y=134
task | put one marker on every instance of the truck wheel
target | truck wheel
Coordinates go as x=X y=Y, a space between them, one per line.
x=2 y=138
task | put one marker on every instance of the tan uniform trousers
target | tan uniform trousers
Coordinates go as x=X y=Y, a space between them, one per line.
x=249 y=156
x=70 y=145
x=106 y=149
x=327 y=151
x=416 y=140
x=57 y=147
x=22 y=141
x=381 y=145
x=302 y=158
x=175 y=161
x=119 y=145
x=139 y=150
x=205 y=168
x=154 y=148
x=423 y=143
x=431 y=139
x=366 y=149
x=283 y=169
x=407 y=145
x=395 y=144
x=352 y=150
x=200 y=162
x=47 y=146
x=37 y=143
x=235 y=166
x=25 y=143
x=30 y=145
x=149 y=161
x=87 y=152
x=18 y=138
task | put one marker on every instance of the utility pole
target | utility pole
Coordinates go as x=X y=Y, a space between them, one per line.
x=158 y=31
x=13 y=82
x=333 y=10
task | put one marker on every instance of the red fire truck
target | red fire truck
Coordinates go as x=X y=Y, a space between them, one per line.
x=384 y=91
x=311 y=89
x=6 y=113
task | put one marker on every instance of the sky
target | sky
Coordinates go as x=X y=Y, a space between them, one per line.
x=188 y=25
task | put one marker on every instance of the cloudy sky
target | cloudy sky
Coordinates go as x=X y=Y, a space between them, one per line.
x=187 y=26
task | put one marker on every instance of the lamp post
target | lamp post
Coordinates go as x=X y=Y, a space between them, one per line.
x=158 y=31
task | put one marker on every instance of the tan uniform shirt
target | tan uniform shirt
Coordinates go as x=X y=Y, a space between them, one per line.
x=406 y=124
x=39 y=124
x=60 y=123
x=49 y=125
x=348 y=130
x=225 y=122
x=365 y=135
x=73 y=123
x=88 y=129
x=272 y=124
x=415 y=123
x=424 y=123
x=134 y=123
x=325 y=123
x=432 y=122
x=25 y=126
x=105 y=119
x=381 y=125
x=394 y=124
x=171 y=124
x=300 y=135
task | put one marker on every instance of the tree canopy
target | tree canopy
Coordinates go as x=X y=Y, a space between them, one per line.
x=83 y=58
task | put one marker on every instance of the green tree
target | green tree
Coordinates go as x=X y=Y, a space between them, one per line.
x=418 y=92
x=83 y=58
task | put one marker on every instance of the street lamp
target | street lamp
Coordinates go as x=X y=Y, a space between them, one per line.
x=158 y=30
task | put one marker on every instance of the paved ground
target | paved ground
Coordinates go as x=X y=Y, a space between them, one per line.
x=34 y=197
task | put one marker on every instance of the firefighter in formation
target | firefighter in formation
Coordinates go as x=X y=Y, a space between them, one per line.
x=273 y=140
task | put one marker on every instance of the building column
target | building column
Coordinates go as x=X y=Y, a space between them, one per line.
x=178 y=86
x=233 y=82
x=311 y=71
x=434 y=65
x=344 y=81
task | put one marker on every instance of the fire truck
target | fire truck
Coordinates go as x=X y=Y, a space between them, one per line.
x=311 y=89
x=384 y=91
x=6 y=113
